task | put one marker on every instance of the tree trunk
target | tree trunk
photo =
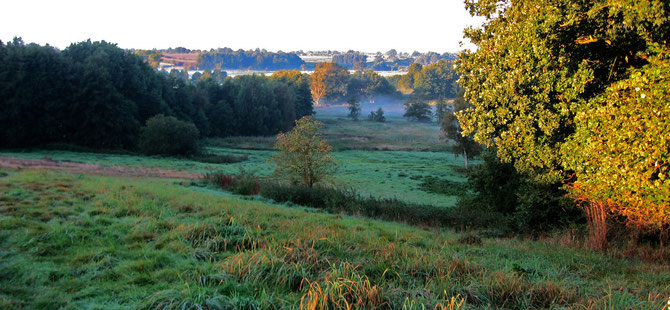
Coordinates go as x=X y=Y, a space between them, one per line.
x=465 y=155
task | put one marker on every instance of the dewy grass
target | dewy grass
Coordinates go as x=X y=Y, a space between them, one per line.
x=348 y=201
x=381 y=174
x=76 y=241
x=396 y=134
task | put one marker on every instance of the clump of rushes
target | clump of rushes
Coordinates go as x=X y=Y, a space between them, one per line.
x=343 y=288
x=221 y=236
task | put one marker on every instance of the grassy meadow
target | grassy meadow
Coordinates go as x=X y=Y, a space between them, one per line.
x=385 y=160
x=396 y=134
x=78 y=241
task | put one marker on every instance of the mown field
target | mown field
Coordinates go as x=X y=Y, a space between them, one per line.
x=80 y=241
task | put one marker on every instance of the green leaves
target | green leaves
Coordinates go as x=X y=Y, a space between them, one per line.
x=303 y=156
x=575 y=89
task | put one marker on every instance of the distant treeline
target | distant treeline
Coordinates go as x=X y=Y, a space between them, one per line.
x=334 y=83
x=390 y=61
x=351 y=60
x=434 y=81
x=98 y=95
x=226 y=58
x=261 y=59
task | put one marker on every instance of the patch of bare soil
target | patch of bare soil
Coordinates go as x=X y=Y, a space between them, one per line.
x=50 y=164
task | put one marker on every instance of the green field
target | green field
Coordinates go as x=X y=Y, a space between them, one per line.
x=73 y=240
x=386 y=174
x=378 y=173
x=396 y=134
x=78 y=241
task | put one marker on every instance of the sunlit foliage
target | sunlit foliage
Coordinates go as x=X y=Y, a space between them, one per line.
x=546 y=73
x=303 y=155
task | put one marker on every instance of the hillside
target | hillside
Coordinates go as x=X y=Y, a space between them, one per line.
x=78 y=241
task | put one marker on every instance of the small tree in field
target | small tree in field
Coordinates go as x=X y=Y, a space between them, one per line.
x=354 y=108
x=303 y=156
x=377 y=117
x=418 y=109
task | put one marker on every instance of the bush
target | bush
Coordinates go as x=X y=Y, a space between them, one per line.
x=348 y=201
x=166 y=135
x=531 y=206
x=303 y=156
x=436 y=185
x=354 y=108
x=378 y=116
x=244 y=184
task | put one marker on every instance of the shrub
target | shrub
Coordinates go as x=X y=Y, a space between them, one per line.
x=500 y=189
x=167 y=135
x=303 y=156
x=436 y=185
x=354 y=108
x=378 y=116
x=241 y=185
x=418 y=109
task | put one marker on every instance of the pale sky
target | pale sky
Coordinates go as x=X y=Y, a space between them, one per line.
x=290 y=25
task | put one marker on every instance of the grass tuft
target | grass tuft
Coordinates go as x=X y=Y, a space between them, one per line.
x=185 y=299
x=220 y=237
x=343 y=288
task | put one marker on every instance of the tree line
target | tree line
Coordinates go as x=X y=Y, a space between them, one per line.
x=435 y=81
x=226 y=58
x=334 y=83
x=351 y=60
x=97 y=95
x=261 y=59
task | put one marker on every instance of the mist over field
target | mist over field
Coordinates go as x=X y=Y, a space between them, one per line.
x=392 y=106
